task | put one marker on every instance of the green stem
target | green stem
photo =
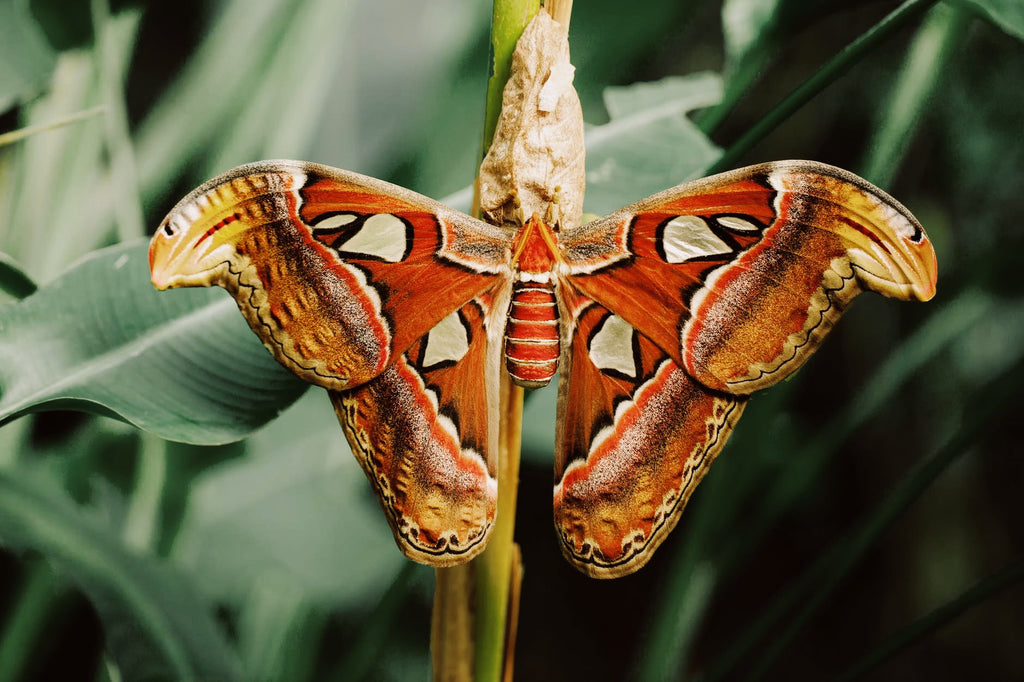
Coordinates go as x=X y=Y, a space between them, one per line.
x=60 y=122
x=471 y=602
x=28 y=618
x=507 y=24
x=826 y=75
x=989 y=405
x=926 y=625
x=142 y=521
x=495 y=569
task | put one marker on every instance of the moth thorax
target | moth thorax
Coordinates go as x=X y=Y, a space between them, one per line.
x=531 y=333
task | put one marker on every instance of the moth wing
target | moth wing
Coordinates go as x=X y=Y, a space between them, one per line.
x=337 y=273
x=739 y=276
x=425 y=433
x=636 y=434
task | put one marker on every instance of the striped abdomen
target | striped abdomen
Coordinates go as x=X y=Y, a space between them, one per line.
x=531 y=334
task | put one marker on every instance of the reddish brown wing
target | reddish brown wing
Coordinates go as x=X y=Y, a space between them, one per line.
x=394 y=302
x=679 y=306
x=422 y=432
x=337 y=273
x=739 y=276
x=635 y=436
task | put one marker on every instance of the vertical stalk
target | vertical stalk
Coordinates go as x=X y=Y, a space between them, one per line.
x=498 y=566
x=471 y=628
x=38 y=599
x=508 y=21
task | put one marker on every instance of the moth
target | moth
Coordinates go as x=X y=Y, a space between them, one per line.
x=660 y=319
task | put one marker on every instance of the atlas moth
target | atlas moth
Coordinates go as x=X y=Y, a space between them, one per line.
x=661 y=318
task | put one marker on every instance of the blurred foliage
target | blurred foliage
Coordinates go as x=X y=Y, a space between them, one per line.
x=860 y=519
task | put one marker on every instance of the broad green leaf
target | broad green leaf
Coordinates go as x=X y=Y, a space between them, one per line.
x=47 y=230
x=263 y=128
x=297 y=511
x=25 y=57
x=649 y=144
x=155 y=625
x=927 y=60
x=182 y=364
x=745 y=24
x=194 y=114
x=1006 y=14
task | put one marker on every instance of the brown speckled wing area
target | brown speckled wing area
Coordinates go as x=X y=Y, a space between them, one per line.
x=422 y=433
x=738 y=277
x=635 y=438
x=337 y=273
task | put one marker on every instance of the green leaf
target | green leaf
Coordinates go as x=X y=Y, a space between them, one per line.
x=26 y=59
x=936 y=42
x=301 y=494
x=182 y=364
x=155 y=625
x=930 y=623
x=649 y=144
x=746 y=25
x=195 y=113
x=1006 y=14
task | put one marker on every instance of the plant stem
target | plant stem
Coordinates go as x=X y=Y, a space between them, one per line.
x=451 y=626
x=825 y=76
x=994 y=401
x=27 y=620
x=496 y=568
x=60 y=122
x=142 y=521
x=924 y=626
x=507 y=23
x=472 y=627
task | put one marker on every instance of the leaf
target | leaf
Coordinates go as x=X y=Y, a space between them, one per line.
x=26 y=59
x=649 y=144
x=936 y=42
x=297 y=510
x=155 y=625
x=262 y=128
x=181 y=364
x=1006 y=14
x=745 y=24
x=194 y=113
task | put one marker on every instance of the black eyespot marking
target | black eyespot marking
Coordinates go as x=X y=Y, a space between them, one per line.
x=168 y=230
